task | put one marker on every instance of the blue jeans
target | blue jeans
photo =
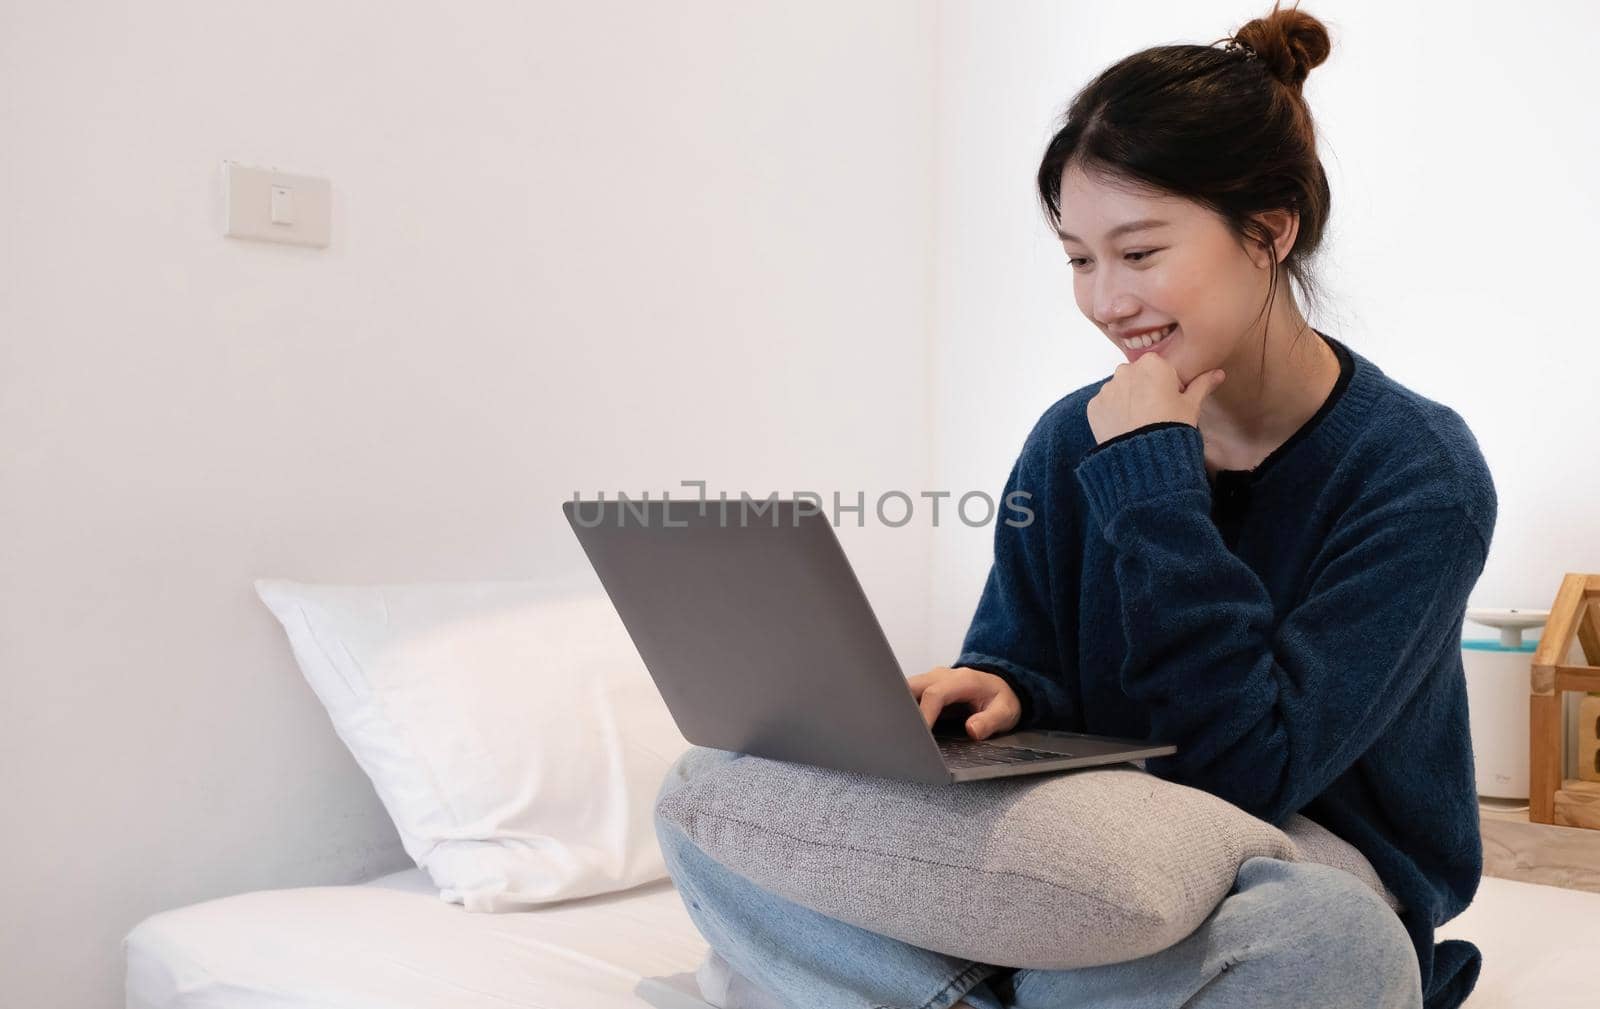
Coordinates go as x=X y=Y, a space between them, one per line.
x=1287 y=934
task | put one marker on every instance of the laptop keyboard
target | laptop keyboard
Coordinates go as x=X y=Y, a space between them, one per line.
x=965 y=752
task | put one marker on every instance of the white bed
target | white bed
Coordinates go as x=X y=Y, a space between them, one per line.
x=393 y=944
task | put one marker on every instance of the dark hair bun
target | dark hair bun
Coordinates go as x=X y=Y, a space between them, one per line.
x=1288 y=42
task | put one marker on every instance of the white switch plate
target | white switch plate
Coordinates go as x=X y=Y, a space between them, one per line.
x=282 y=205
x=248 y=193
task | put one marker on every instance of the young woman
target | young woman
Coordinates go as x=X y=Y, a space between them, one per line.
x=1248 y=541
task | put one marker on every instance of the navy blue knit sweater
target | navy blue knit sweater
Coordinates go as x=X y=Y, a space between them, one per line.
x=1294 y=629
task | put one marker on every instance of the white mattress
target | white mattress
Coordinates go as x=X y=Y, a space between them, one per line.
x=393 y=944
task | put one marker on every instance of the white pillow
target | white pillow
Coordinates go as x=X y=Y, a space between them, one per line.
x=510 y=728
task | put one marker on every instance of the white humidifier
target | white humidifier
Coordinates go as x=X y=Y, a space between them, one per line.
x=1497 y=672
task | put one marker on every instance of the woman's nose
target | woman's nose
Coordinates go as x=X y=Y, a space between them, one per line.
x=1112 y=303
x=1111 y=315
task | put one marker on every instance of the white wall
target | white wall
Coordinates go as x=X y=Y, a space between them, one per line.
x=1460 y=153
x=597 y=246
x=615 y=246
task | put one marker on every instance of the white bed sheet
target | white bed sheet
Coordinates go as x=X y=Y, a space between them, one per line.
x=393 y=944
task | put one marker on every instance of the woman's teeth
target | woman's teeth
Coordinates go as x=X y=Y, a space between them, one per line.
x=1149 y=339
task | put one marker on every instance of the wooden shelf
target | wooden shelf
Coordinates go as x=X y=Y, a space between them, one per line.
x=1574 y=616
x=1555 y=840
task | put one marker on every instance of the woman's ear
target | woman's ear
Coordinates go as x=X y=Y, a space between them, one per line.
x=1283 y=226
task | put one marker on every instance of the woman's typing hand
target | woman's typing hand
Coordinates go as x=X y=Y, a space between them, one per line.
x=995 y=708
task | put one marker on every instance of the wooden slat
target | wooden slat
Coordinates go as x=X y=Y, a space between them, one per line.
x=1581 y=678
x=1589 y=632
x=1578 y=804
x=1513 y=848
x=1556 y=638
x=1544 y=756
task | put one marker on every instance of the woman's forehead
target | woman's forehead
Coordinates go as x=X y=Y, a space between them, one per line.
x=1094 y=207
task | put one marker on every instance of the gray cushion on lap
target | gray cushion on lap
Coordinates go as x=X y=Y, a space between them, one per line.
x=1315 y=843
x=1051 y=871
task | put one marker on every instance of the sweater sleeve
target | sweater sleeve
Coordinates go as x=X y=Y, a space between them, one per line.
x=1013 y=632
x=1268 y=713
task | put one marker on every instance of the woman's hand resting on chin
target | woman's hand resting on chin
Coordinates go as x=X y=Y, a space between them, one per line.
x=995 y=708
x=1145 y=392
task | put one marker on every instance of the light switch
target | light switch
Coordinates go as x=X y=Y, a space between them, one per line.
x=282 y=205
x=267 y=205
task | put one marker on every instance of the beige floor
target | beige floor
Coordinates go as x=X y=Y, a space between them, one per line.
x=1513 y=848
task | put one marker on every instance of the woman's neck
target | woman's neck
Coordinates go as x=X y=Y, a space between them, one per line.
x=1257 y=408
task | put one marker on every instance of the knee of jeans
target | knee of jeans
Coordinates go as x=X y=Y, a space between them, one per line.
x=1342 y=914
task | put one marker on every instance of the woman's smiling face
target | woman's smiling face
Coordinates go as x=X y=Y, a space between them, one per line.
x=1188 y=270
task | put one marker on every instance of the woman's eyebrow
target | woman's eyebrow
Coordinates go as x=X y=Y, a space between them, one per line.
x=1121 y=229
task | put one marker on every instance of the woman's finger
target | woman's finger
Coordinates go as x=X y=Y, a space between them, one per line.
x=998 y=714
x=921 y=681
x=949 y=690
x=988 y=718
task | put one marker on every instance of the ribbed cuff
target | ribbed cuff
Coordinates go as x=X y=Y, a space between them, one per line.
x=1124 y=436
x=1152 y=463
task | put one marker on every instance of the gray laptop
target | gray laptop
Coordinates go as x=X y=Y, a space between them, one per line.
x=759 y=637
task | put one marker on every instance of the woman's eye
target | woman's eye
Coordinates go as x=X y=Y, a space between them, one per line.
x=1073 y=261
